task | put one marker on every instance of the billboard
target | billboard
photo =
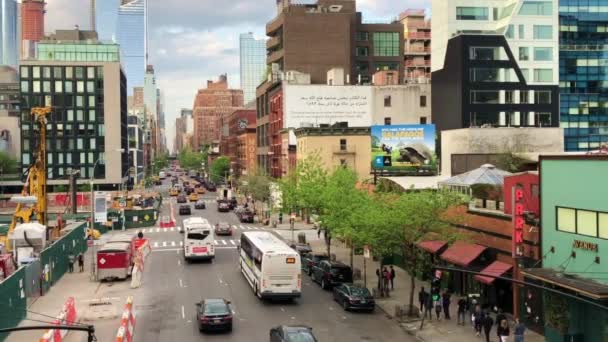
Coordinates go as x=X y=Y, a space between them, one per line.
x=101 y=210
x=405 y=149
x=311 y=105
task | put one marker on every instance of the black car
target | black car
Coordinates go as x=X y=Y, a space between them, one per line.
x=223 y=206
x=185 y=210
x=211 y=187
x=233 y=203
x=214 y=314
x=182 y=199
x=200 y=204
x=354 y=297
x=245 y=216
x=285 y=333
x=223 y=228
x=189 y=190
x=331 y=273
x=311 y=260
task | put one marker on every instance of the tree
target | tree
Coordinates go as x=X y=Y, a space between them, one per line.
x=288 y=186
x=257 y=185
x=8 y=164
x=220 y=168
x=190 y=160
x=160 y=162
x=311 y=180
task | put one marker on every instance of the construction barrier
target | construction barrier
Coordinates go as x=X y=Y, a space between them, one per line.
x=141 y=254
x=67 y=316
x=127 y=323
x=169 y=221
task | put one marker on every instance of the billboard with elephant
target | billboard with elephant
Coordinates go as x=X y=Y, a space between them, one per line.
x=404 y=149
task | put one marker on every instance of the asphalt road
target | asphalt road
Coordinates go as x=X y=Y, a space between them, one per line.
x=165 y=304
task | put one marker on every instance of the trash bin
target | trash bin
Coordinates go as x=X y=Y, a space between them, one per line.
x=301 y=238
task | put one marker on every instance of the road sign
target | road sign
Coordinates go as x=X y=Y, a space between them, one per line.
x=366 y=252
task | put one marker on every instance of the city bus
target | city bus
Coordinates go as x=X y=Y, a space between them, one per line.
x=270 y=266
x=198 y=239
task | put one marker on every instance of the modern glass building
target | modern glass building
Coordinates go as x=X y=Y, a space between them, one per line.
x=8 y=32
x=78 y=52
x=106 y=18
x=253 y=64
x=131 y=36
x=583 y=66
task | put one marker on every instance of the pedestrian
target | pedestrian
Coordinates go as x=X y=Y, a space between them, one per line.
x=387 y=280
x=428 y=306
x=385 y=277
x=319 y=233
x=438 y=307
x=462 y=309
x=488 y=322
x=499 y=317
x=519 y=331
x=422 y=298
x=446 y=300
x=80 y=262
x=379 y=275
x=503 y=331
x=477 y=318
x=71 y=260
x=392 y=278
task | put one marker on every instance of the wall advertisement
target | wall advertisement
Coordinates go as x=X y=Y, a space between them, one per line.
x=404 y=149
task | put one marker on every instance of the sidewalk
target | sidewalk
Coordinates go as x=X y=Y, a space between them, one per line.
x=433 y=331
x=105 y=317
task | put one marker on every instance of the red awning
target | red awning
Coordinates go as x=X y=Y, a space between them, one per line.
x=431 y=246
x=497 y=268
x=462 y=254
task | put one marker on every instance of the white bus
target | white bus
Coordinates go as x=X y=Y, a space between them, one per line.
x=198 y=239
x=162 y=175
x=270 y=266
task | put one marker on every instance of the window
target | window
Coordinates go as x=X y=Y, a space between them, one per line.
x=485 y=96
x=566 y=220
x=387 y=121
x=510 y=33
x=25 y=72
x=46 y=86
x=471 y=13
x=90 y=86
x=487 y=53
x=90 y=72
x=361 y=51
x=342 y=144
x=543 y=32
x=491 y=74
x=69 y=72
x=46 y=72
x=69 y=87
x=586 y=222
x=386 y=44
x=524 y=96
x=80 y=86
x=58 y=87
x=535 y=191
x=387 y=100
x=362 y=36
x=542 y=97
x=603 y=225
x=509 y=96
x=521 y=31
x=25 y=86
x=543 y=75
x=423 y=101
x=423 y=120
x=524 y=54
x=79 y=72
x=543 y=119
x=543 y=54
x=36 y=72
x=536 y=8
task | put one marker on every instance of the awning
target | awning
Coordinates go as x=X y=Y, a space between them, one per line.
x=462 y=254
x=432 y=246
x=497 y=268
x=585 y=286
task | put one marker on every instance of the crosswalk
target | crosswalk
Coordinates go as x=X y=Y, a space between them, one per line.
x=176 y=229
x=231 y=243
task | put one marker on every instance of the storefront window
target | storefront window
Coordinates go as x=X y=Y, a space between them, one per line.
x=566 y=220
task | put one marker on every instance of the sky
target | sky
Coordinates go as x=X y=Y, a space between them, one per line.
x=192 y=41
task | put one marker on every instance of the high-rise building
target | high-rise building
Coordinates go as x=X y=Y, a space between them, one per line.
x=136 y=148
x=583 y=77
x=132 y=35
x=104 y=18
x=417 y=36
x=8 y=33
x=32 y=26
x=209 y=106
x=10 y=131
x=253 y=64
x=151 y=110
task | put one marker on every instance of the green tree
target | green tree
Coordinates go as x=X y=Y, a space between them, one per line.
x=311 y=182
x=220 y=168
x=257 y=185
x=8 y=164
x=190 y=160
x=288 y=186
x=160 y=162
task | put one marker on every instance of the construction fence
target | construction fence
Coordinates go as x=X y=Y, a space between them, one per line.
x=13 y=301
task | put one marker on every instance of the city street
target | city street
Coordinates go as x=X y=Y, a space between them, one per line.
x=165 y=303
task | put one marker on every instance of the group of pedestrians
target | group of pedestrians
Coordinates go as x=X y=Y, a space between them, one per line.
x=386 y=280
x=72 y=258
x=482 y=320
x=440 y=304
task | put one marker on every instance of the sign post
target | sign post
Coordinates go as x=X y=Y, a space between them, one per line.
x=518 y=198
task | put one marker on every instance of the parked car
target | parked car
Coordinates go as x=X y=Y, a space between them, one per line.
x=185 y=209
x=214 y=314
x=189 y=190
x=245 y=216
x=233 y=203
x=285 y=333
x=223 y=207
x=223 y=228
x=331 y=273
x=211 y=187
x=354 y=297
x=182 y=199
x=311 y=260
x=200 y=204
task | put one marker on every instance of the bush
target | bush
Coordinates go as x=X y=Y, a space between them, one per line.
x=487 y=191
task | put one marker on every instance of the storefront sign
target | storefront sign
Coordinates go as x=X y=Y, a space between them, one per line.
x=588 y=246
x=518 y=221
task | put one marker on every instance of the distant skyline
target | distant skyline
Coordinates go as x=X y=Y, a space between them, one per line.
x=191 y=41
x=8 y=33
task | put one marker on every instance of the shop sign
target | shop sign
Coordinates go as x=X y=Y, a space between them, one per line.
x=518 y=221
x=584 y=245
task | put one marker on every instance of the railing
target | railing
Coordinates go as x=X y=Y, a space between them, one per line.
x=275 y=56
x=272 y=42
x=414 y=62
x=412 y=49
x=419 y=35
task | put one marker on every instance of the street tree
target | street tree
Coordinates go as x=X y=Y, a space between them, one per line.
x=160 y=162
x=311 y=181
x=8 y=164
x=220 y=169
x=288 y=186
x=190 y=160
x=257 y=185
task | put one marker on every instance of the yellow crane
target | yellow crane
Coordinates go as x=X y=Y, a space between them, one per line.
x=31 y=205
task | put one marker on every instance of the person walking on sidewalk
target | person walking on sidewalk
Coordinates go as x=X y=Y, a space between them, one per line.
x=477 y=319
x=446 y=300
x=503 y=331
x=519 y=331
x=71 y=260
x=392 y=278
x=499 y=317
x=428 y=306
x=387 y=279
x=422 y=298
x=488 y=323
x=462 y=309
x=438 y=306
x=80 y=262
x=379 y=275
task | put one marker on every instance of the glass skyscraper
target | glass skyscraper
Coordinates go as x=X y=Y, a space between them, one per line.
x=583 y=65
x=253 y=64
x=106 y=19
x=131 y=37
x=8 y=32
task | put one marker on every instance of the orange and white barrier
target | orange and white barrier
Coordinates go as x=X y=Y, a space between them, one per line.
x=67 y=316
x=169 y=222
x=138 y=265
x=127 y=323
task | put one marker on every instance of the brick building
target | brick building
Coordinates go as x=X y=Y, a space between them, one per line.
x=32 y=25
x=417 y=36
x=233 y=125
x=210 y=105
x=246 y=152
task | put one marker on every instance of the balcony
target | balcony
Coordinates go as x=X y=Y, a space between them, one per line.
x=419 y=35
x=274 y=25
x=273 y=42
x=417 y=63
x=416 y=50
x=275 y=56
x=345 y=149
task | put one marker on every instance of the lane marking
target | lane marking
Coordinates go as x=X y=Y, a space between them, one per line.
x=215 y=242
x=180 y=283
x=183 y=313
x=164 y=243
x=224 y=242
x=232 y=242
x=243 y=228
x=283 y=310
x=172 y=243
x=181 y=243
x=172 y=229
x=155 y=243
x=179 y=262
x=158 y=230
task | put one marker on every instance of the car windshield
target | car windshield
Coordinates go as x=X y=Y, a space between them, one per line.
x=360 y=292
x=223 y=225
x=299 y=336
x=318 y=258
x=216 y=308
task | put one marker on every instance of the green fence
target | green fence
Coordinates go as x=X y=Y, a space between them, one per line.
x=140 y=218
x=13 y=303
x=54 y=259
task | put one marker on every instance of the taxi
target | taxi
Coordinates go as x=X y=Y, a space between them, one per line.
x=200 y=190
x=193 y=197
x=173 y=192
